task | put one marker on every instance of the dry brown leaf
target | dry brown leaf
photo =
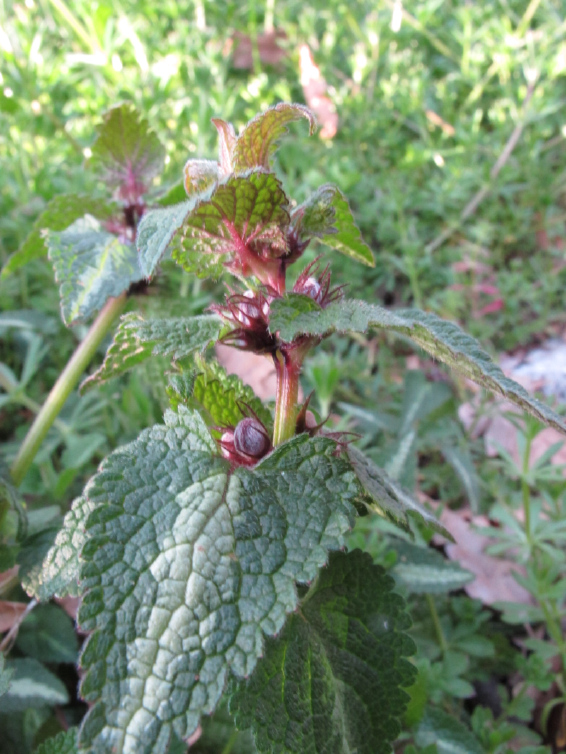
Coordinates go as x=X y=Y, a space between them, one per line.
x=315 y=90
x=268 y=49
x=10 y=613
x=494 y=580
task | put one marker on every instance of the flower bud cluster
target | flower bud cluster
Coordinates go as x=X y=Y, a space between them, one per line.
x=315 y=284
x=248 y=314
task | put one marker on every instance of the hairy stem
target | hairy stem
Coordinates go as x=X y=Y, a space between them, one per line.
x=64 y=386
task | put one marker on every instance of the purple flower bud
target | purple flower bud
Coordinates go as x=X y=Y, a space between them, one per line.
x=251 y=439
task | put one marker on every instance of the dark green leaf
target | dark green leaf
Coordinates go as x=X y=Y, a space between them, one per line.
x=461 y=461
x=91 y=265
x=13 y=517
x=188 y=564
x=58 y=215
x=258 y=141
x=448 y=733
x=331 y=683
x=5 y=675
x=67 y=742
x=387 y=497
x=32 y=685
x=423 y=570
x=176 y=194
x=248 y=209
x=48 y=634
x=326 y=215
x=127 y=154
x=137 y=340
x=443 y=340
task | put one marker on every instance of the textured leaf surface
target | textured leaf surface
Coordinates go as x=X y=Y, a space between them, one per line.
x=188 y=565
x=326 y=215
x=58 y=215
x=200 y=175
x=424 y=571
x=66 y=742
x=91 y=265
x=32 y=685
x=248 y=209
x=60 y=569
x=127 y=153
x=331 y=682
x=138 y=339
x=449 y=734
x=443 y=340
x=258 y=141
x=220 y=397
x=155 y=233
x=387 y=496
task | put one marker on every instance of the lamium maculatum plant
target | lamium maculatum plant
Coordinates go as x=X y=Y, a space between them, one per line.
x=210 y=553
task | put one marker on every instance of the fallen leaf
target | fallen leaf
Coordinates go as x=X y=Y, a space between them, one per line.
x=10 y=613
x=268 y=49
x=315 y=90
x=494 y=580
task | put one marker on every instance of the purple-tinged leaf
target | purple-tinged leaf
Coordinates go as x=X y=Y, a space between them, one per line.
x=127 y=153
x=200 y=175
x=226 y=142
x=326 y=215
x=244 y=217
x=59 y=213
x=258 y=141
x=91 y=265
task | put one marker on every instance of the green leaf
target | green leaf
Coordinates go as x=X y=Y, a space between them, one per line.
x=30 y=559
x=13 y=517
x=461 y=461
x=91 y=265
x=66 y=742
x=424 y=571
x=247 y=210
x=217 y=395
x=443 y=340
x=188 y=564
x=127 y=154
x=138 y=339
x=331 y=683
x=448 y=733
x=258 y=141
x=57 y=215
x=5 y=675
x=386 y=497
x=60 y=566
x=155 y=233
x=200 y=175
x=32 y=685
x=327 y=216
x=174 y=195
x=48 y=634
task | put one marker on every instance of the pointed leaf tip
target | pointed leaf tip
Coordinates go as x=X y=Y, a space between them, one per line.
x=257 y=143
